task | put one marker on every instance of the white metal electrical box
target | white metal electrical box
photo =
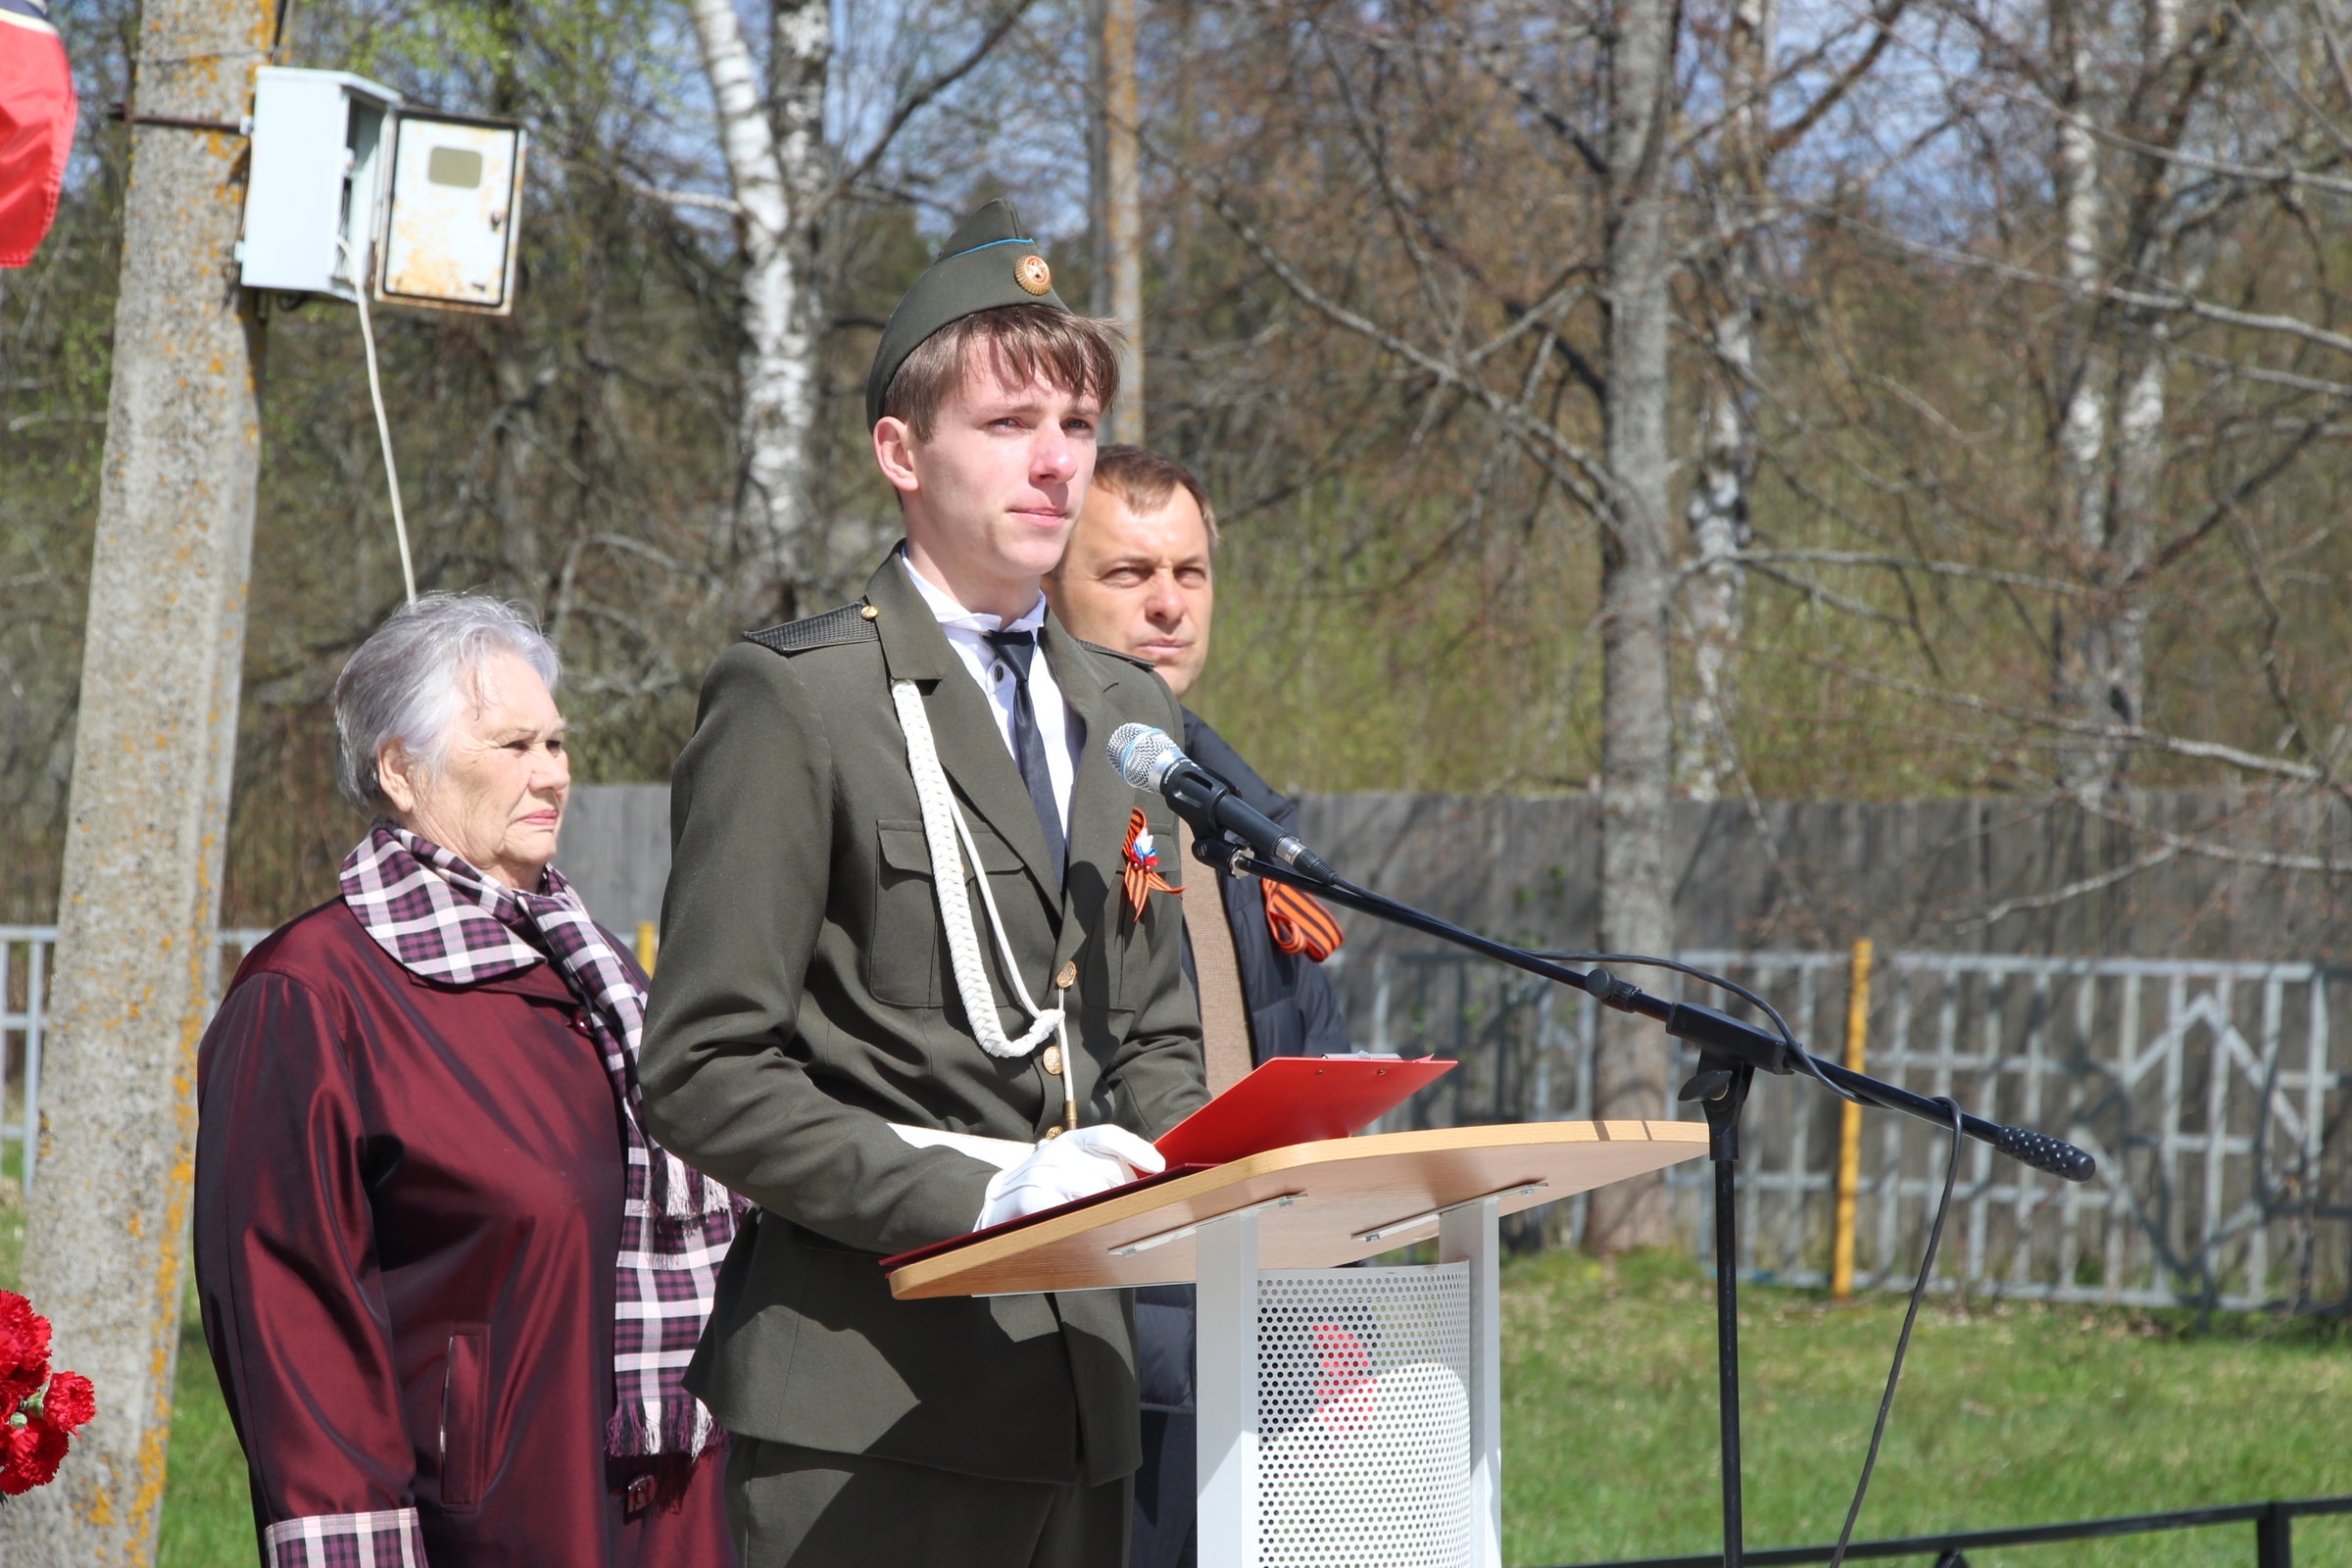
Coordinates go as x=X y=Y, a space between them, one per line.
x=450 y=210
x=313 y=186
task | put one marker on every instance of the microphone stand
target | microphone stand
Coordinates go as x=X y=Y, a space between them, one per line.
x=1730 y=1055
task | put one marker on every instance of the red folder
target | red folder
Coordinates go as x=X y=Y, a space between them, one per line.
x=1297 y=1100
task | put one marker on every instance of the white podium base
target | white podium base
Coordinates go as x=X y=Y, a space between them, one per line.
x=1350 y=1417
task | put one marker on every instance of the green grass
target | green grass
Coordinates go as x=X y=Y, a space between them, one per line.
x=2007 y=1415
x=208 y=1512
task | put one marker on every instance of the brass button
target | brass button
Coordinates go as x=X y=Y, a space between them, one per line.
x=869 y=612
x=1053 y=1132
x=1069 y=976
x=1053 y=1059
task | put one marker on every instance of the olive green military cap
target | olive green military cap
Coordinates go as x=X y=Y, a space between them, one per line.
x=986 y=263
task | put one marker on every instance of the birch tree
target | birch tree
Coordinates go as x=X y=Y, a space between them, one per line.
x=1735 y=186
x=2116 y=479
x=786 y=175
x=2085 y=674
x=773 y=147
x=1719 y=512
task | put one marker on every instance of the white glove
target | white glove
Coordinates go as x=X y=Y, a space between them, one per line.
x=1077 y=1164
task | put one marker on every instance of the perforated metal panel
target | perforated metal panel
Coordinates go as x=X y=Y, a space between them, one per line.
x=1363 y=1379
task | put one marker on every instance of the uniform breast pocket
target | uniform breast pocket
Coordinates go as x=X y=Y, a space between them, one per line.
x=903 y=950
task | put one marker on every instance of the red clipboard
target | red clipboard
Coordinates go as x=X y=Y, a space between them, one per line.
x=1288 y=1099
x=1297 y=1099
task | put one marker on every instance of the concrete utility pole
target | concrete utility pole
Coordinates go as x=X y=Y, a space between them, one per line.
x=149 y=809
x=1118 y=203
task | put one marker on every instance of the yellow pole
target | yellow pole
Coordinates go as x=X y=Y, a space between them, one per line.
x=648 y=943
x=1850 y=1126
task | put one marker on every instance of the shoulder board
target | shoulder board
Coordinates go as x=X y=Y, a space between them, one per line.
x=843 y=625
x=1137 y=660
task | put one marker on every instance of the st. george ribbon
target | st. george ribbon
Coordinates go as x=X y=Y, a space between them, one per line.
x=1233 y=837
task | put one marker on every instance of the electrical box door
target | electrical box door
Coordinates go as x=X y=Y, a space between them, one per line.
x=450 y=213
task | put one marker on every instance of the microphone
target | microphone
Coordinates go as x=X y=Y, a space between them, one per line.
x=1147 y=760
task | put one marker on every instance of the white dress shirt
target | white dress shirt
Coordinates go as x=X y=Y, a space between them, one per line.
x=1056 y=727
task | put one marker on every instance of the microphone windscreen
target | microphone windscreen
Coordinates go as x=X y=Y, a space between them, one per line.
x=1143 y=754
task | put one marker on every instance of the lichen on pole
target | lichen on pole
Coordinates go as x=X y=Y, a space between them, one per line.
x=139 y=904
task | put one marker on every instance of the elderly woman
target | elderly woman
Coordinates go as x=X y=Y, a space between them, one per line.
x=448 y=1285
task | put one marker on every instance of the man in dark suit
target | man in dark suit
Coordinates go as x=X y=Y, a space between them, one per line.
x=834 y=1032
x=1140 y=576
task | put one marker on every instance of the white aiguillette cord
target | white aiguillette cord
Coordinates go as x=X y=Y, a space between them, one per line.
x=950 y=839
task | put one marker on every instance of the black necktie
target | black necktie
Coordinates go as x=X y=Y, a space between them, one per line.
x=1017 y=648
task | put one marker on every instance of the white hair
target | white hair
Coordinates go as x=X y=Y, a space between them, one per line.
x=407 y=681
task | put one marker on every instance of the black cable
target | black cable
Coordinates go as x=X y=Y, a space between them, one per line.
x=1927 y=1267
x=1803 y=1058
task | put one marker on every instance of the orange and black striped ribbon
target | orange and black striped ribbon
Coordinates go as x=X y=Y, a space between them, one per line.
x=1300 y=924
x=1139 y=877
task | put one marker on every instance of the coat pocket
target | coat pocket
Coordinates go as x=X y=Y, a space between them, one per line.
x=903 y=950
x=465 y=1419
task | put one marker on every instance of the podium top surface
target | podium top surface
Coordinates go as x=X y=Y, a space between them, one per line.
x=1348 y=1198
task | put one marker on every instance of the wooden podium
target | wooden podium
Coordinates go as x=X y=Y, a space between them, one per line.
x=1349 y=1418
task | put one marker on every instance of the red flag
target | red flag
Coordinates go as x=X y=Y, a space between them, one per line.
x=38 y=109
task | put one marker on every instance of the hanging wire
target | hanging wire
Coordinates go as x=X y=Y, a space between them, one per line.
x=384 y=425
x=1902 y=1344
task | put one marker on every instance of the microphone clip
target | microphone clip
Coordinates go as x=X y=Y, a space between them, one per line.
x=1221 y=854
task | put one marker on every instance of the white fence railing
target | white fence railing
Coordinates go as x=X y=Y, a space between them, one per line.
x=26 y=954
x=2213 y=1094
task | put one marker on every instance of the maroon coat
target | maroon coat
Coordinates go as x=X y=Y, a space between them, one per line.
x=408 y=1203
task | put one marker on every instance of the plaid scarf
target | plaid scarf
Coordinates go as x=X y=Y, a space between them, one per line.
x=441 y=919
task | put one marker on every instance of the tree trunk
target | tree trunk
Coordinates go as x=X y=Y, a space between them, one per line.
x=1719 y=509
x=774 y=157
x=153 y=755
x=2140 y=452
x=2084 y=645
x=1119 y=211
x=1637 y=576
x=2103 y=672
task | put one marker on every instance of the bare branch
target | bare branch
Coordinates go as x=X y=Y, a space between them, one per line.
x=654 y=193
x=912 y=104
x=2180 y=302
x=1941 y=569
x=2067 y=894
x=2130 y=735
x=1885 y=17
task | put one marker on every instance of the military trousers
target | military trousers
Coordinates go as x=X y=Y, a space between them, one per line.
x=795 y=1507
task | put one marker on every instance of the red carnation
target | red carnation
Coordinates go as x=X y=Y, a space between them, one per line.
x=34 y=1451
x=70 y=1403
x=23 y=1349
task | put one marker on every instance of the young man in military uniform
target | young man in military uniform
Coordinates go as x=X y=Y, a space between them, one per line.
x=833 y=1031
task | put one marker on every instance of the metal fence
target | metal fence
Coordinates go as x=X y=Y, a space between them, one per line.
x=25 y=962
x=2213 y=1094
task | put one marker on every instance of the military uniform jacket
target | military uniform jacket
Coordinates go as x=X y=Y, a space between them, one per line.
x=804 y=1002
